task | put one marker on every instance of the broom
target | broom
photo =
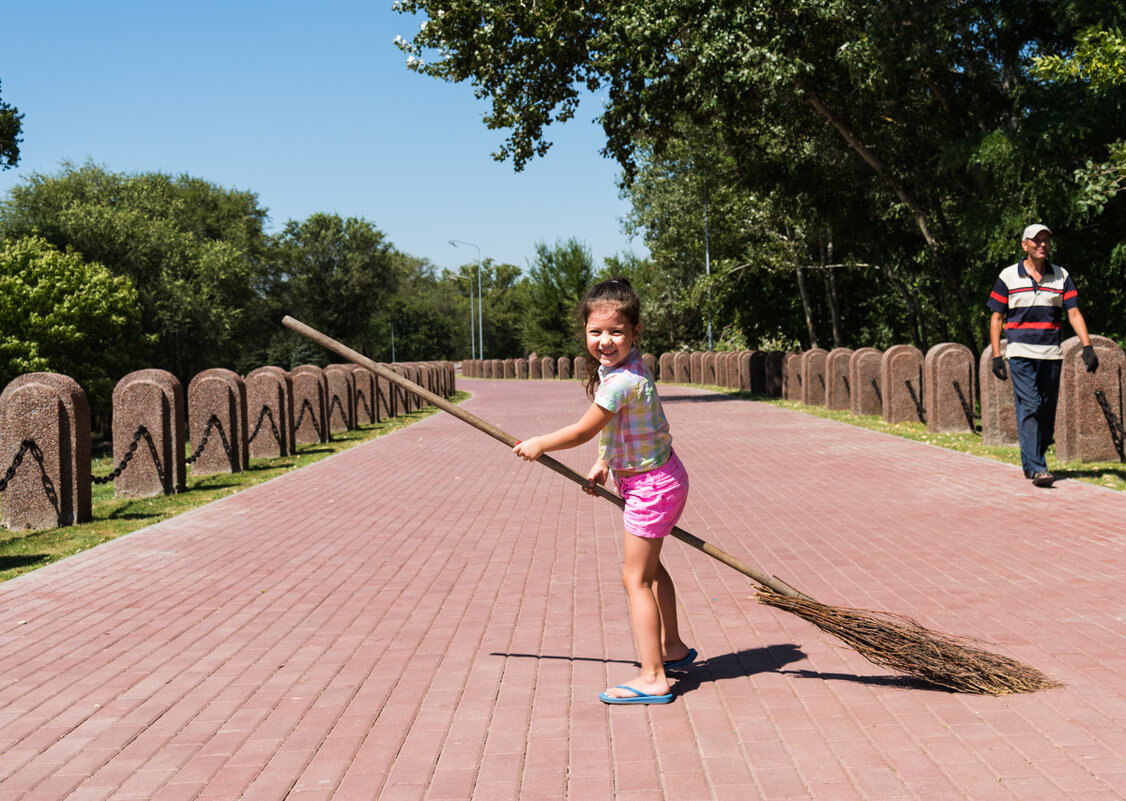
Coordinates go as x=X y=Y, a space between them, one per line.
x=891 y=641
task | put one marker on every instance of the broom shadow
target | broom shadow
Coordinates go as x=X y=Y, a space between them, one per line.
x=727 y=666
x=775 y=658
x=747 y=663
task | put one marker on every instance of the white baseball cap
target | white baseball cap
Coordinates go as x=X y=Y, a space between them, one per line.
x=1032 y=230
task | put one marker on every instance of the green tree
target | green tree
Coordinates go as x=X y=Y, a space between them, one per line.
x=11 y=124
x=557 y=280
x=506 y=302
x=61 y=314
x=194 y=252
x=920 y=120
x=427 y=317
x=336 y=274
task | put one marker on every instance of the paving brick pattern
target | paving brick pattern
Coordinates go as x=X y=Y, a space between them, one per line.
x=427 y=617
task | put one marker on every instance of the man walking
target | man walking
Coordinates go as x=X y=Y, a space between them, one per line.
x=1026 y=302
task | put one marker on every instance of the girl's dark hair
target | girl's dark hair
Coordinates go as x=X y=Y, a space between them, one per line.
x=618 y=294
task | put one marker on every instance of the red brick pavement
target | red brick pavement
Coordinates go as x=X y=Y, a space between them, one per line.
x=427 y=617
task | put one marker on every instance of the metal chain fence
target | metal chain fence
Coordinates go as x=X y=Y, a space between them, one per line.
x=140 y=433
x=25 y=446
x=262 y=415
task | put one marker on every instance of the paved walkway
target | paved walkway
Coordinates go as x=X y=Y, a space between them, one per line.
x=427 y=617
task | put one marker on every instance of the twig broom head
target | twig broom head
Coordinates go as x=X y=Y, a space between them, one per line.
x=900 y=644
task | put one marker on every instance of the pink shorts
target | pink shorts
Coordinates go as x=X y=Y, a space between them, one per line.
x=654 y=499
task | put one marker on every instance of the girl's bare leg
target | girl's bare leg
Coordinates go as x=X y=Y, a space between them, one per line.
x=642 y=564
x=672 y=646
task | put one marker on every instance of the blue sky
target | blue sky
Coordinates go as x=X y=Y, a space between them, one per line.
x=309 y=105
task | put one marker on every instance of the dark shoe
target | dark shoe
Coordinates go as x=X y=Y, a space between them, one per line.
x=1043 y=479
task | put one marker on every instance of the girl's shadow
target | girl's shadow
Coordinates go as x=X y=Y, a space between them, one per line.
x=737 y=665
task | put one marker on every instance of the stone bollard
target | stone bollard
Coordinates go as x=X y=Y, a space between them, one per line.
x=367 y=404
x=743 y=366
x=580 y=367
x=510 y=369
x=733 y=369
x=864 y=380
x=791 y=376
x=752 y=372
x=409 y=401
x=696 y=367
x=429 y=379
x=310 y=405
x=149 y=421
x=269 y=410
x=650 y=362
x=341 y=398
x=498 y=368
x=901 y=384
x=217 y=422
x=549 y=367
x=45 y=424
x=384 y=398
x=564 y=368
x=400 y=403
x=948 y=375
x=709 y=373
x=772 y=372
x=813 y=376
x=666 y=364
x=723 y=369
x=1085 y=430
x=837 y=386
x=521 y=369
x=998 y=407
x=535 y=368
x=682 y=365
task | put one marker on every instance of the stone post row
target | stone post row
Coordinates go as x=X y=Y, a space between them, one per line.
x=45 y=429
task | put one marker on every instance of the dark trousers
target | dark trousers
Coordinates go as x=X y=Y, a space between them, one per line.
x=1036 y=389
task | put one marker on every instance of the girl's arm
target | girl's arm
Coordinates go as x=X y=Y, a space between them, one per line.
x=570 y=436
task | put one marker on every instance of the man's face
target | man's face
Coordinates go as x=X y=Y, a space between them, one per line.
x=1039 y=246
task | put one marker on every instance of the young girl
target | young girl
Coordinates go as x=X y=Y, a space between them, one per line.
x=636 y=447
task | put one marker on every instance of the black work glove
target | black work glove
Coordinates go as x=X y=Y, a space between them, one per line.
x=1090 y=358
x=999 y=367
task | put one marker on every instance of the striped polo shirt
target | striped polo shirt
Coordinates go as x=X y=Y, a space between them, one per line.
x=637 y=437
x=1033 y=310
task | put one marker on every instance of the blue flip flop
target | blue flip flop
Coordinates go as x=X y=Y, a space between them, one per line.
x=684 y=662
x=638 y=698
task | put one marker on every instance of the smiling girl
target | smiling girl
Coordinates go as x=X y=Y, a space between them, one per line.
x=637 y=449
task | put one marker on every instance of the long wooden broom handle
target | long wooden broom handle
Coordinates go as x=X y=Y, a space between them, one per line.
x=764 y=579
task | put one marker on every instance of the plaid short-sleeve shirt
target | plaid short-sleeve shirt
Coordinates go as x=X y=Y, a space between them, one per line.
x=637 y=438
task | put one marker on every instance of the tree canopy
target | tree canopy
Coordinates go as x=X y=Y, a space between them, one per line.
x=61 y=314
x=11 y=124
x=193 y=250
x=912 y=136
x=558 y=278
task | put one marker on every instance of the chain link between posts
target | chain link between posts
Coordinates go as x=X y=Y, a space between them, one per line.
x=26 y=445
x=1117 y=433
x=262 y=415
x=211 y=423
x=140 y=433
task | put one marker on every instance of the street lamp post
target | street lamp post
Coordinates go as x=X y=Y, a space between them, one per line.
x=480 y=304
x=707 y=259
